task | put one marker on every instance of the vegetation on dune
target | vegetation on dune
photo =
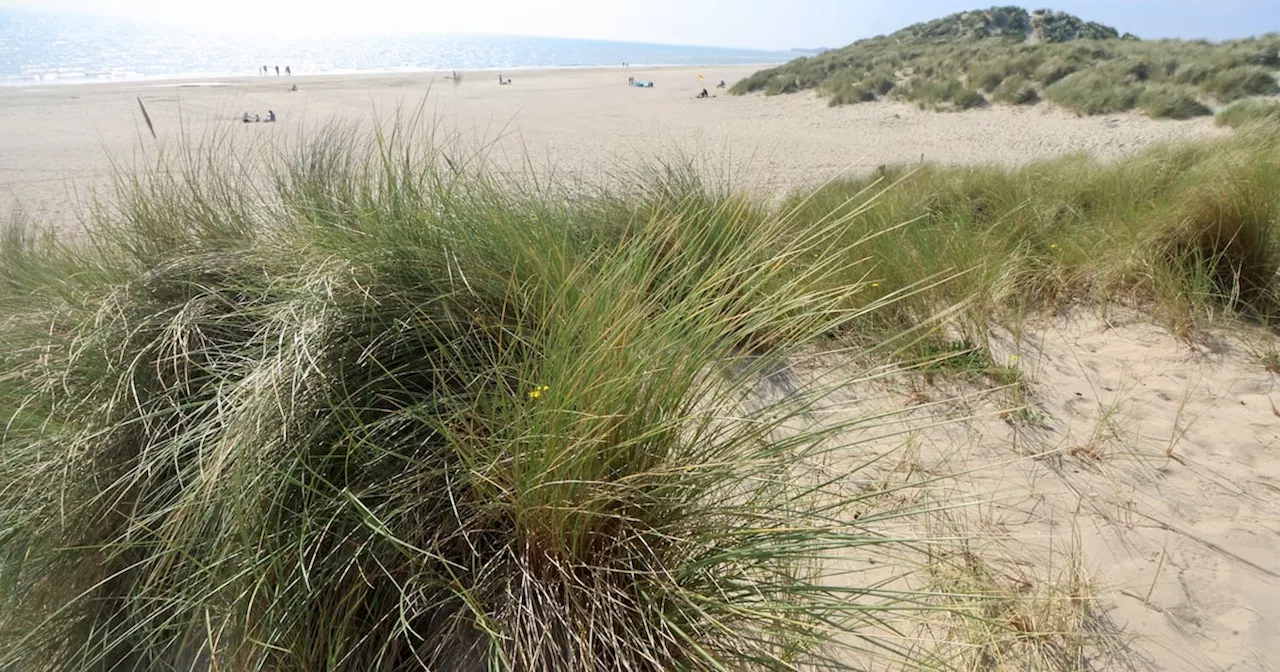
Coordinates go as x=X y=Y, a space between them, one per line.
x=981 y=50
x=1185 y=232
x=1248 y=112
x=1010 y=23
x=393 y=413
x=1016 y=91
x=1092 y=93
x=1162 y=102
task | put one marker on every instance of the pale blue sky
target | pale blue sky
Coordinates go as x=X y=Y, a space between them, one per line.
x=770 y=24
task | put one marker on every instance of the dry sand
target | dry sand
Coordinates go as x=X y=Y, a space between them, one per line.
x=1147 y=460
x=587 y=123
x=1140 y=474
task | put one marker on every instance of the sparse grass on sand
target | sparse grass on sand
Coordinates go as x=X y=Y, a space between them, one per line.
x=390 y=411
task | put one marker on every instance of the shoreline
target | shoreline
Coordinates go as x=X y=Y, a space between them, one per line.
x=206 y=79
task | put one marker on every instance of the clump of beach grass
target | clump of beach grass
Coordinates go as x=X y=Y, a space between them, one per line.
x=1089 y=93
x=391 y=412
x=1016 y=91
x=1160 y=102
x=1247 y=112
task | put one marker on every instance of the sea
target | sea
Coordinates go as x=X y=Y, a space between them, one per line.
x=41 y=48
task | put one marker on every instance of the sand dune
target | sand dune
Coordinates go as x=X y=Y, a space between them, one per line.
x=1143 y=458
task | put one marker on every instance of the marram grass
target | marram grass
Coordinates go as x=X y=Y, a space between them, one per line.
x=388 y=413
x=373 y=408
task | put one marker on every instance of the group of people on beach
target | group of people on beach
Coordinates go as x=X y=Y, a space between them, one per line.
x=267 y=71
x=706 y=94
x=271 y=116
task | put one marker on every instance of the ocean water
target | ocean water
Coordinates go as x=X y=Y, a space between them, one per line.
x=47 y=48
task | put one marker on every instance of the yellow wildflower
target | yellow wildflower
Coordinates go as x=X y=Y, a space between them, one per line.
x=537 y=391
x=1013 y=359
x=875 y=285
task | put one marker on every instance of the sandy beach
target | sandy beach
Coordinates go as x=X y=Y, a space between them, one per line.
x=58 y=141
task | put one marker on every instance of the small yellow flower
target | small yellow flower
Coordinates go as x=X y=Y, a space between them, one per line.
x=1053 y=246
x=875 y=285
x=1013 y=359
x=537 y=391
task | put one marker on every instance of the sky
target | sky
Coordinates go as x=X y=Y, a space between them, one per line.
x=761 y=24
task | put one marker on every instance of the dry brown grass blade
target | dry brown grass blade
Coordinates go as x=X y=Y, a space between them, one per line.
x=147 y=118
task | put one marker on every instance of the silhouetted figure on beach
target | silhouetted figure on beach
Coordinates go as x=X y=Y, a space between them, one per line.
x=293 y=88
x=721 y=85
x=277 y=71
x=246 y=118
x=271 y=115
x=264 y=69
x=704 y=94
x=287 y=71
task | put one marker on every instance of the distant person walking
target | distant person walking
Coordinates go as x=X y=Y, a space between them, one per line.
x=287 y=71
x=277 y=71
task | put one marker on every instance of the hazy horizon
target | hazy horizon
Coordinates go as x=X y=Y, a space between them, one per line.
x=746 y=24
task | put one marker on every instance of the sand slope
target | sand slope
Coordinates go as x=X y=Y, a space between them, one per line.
x=1142 y=462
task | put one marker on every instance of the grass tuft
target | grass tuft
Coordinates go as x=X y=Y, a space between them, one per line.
x=1248 y=112
x=1160 y=102
x=1089 y=93
x=394 y=413
x=1016 y=91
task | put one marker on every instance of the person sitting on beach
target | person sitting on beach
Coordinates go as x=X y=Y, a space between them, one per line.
x=257 y=118
x=271 y=115
x=720 y=85
x=294 y=87
x=704 y=94
x=246 y=118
